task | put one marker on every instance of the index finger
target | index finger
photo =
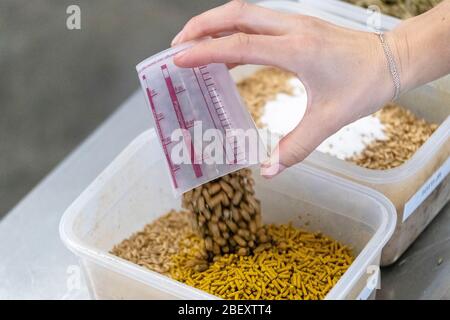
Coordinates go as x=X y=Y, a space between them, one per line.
x=236 y=16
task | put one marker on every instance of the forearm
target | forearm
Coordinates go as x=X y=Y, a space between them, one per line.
x=423 y=47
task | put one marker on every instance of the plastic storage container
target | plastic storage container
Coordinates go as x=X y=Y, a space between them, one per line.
x=419 y=188
x=197 y=113
x=133 y=191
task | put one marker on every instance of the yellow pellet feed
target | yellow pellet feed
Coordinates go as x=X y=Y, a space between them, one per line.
x=296 y=264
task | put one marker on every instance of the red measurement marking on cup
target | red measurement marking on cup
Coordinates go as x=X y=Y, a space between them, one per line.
x=180 y=117
x=221 y=113
x=164 y=140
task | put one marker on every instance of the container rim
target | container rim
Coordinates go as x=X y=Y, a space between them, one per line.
x=74 y=244
x=404 y=171
x=165 y=54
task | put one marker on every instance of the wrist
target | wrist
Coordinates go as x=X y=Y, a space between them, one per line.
x=399 y=45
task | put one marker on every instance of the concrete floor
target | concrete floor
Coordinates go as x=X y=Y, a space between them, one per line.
x=57 y=85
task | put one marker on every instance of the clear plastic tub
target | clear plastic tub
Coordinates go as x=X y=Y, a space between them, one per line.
x=419 y=188
x=132 y=192
x=197 y=113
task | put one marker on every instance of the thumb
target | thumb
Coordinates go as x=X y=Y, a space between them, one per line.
x=299 y=143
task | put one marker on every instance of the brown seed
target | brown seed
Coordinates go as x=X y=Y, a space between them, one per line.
x=263 y=239
x=215 y=200
x=225 y=235
x=233 y=227
x=214 y=229
x=282 y=245
x=249 y=189
x=220 y=241
x=237 y=198
x=252 y=226
x=247 y=208
x=245 y=215
x=218 y=210
x=214 y=188
x=227 y=188
x=244 y=233
x=239 y=240
x=215 y=218
x=216 y=249
x=242 y=225
x=201 y=267
x=235 y=213
x=201 y=219
x=187 y=196
x=261 y=232
x=208 y=243
x=206 y=195
x=257 y=219
x=225 y=199
x=201 y=203
x=234 y=182
x=196 y=194
x=242 y=251
x=225 y=249
x=262 y=247
x=252 y=202
x=206 y=213
x=222 y=226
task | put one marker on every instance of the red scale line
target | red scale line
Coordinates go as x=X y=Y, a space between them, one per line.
x=158 y=126
x=180 y=117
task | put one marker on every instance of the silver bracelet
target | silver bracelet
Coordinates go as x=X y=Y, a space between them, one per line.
x=391 y=63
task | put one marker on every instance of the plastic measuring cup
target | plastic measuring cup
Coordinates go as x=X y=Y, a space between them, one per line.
x=203 y=127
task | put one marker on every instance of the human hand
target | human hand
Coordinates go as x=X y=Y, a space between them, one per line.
x=345 y=72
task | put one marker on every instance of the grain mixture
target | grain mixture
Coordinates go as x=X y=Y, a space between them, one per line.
x=405 y=132
x=154 y=246
x=295 y=264
x=402 y=9
x=261 y=87
x=227 y=214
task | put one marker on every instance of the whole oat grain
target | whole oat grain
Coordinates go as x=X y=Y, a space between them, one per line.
x=154 y=246
x=405 y=133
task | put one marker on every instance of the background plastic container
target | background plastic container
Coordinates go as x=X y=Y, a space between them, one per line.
x=419 y=188
x=190 y=106
x=133 y=191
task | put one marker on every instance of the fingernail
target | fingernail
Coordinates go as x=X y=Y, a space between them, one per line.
x=177 y=38
x=269 y=169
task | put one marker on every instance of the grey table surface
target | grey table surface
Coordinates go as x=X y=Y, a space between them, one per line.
x=34 y=264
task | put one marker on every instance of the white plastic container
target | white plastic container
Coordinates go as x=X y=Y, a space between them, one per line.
x=419 y=188
x=195 y=111
x=133 y=191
